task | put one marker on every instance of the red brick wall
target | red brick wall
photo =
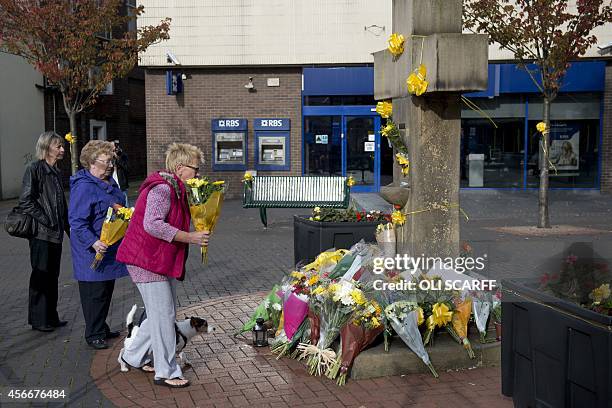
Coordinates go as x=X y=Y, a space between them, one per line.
x=220 y=93
x=606 y=165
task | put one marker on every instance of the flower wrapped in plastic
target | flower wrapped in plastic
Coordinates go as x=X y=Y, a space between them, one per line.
x=459 y=324
x=405 y=318
x=269 y=309
x=205 y=202
x=481 y=310
x=334 y=304
x=356 y=336
x=113 y=229
x=417 y=85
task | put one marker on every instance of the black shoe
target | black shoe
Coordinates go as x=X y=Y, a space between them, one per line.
x=45 y=328
x=99 y=344
x=113 y=334
x=60 y=323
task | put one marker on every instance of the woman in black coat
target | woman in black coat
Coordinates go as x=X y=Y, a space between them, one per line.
x=43 y=198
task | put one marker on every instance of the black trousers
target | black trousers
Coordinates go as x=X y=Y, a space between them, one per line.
x=45 y=258
x=95 y=301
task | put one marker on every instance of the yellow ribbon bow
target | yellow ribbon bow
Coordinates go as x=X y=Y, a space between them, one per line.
x=396 y=44
x=384 y=109
x=440 y=316
x=403 y=161
x=417 y=85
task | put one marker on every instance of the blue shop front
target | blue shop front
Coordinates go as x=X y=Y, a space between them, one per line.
x=499 y=145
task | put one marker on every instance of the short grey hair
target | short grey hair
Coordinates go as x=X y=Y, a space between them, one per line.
x=45 y=140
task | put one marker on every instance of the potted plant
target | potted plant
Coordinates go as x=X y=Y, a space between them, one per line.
x=332 y=228
x=558 y=344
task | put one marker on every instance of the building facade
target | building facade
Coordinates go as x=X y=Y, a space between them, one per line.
x=307 y=67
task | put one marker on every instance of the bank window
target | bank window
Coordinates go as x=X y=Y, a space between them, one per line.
x=330 y=100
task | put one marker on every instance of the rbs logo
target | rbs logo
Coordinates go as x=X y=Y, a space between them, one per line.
x=229 y=123
x=272 y=122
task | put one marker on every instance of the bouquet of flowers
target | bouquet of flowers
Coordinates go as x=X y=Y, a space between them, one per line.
x=405 y=317
x=481 y=308
x=205 y=201
x=269 y=310
x=113 y=229
x=355 y=336
x=334 y=305
x=459 y=324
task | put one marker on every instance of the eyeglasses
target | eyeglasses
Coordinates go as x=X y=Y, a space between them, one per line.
x=196 y=169
x=107 y=163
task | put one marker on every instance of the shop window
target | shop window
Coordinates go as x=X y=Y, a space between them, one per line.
x=322 y=146
x=492 y=157
x=330 y=100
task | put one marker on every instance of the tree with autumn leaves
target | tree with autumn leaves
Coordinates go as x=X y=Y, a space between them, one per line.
x=545 y=33
x=80 y=46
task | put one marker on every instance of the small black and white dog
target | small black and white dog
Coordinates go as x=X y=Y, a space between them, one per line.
x=185 y=330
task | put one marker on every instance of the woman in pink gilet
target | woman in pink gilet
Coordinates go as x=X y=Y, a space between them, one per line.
x=155 y=250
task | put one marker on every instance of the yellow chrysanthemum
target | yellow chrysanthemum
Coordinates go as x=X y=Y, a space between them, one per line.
x=125 y=212
x=440 y=316
x=384 y=109
x=601 y=293
x=248 y=177
x=313 y=279
x=396 y=44
x=319 y=291
x=69 y=138
x=333 y=288
x=541 y=127
x=193 y=182
x=350 y=181
x=398 y=218
x=375 y=322
x=417 y=85
x=358 y=297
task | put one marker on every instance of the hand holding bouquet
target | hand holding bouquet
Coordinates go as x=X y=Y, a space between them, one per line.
x=113 y=229
x=205 y=201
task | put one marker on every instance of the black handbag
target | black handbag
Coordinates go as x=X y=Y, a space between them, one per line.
x=21 y=225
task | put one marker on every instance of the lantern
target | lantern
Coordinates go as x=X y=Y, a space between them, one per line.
x=260 y=333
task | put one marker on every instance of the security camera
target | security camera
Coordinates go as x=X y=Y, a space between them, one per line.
x=184 y=76
x=250 y=85
x=605 y=48
x=171 y=58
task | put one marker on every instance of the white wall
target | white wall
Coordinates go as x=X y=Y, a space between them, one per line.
x=280 y=32
x=21 y=121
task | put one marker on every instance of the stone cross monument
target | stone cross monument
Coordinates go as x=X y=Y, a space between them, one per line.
x=430 y=124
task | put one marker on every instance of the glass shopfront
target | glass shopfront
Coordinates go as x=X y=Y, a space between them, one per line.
x=502 y=151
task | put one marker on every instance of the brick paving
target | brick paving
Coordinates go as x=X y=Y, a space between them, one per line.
x=245 y=259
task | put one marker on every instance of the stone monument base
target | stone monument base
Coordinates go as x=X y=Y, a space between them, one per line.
x=446 y=354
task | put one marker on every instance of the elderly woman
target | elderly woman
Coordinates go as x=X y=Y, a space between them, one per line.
x=92 y=192
x=155 y=251
x=42 y=197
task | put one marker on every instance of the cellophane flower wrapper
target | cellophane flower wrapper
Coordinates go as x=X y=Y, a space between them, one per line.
x=364 y=254
x=113 y=230
x=353 y=340
x=408 y=331
x=205 y=216
x=481 y=308
x=387 y=242
x=295 y=310
x=459 y=324
x=265 y=311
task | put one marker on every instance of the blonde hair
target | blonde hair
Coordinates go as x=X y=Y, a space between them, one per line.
x=44 y=142
x=182 y=154
x=93 y=149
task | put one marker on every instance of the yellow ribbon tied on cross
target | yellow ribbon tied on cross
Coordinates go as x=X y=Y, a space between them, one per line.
x=396 y=44
x=417 y=85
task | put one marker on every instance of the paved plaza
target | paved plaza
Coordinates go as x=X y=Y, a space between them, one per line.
x=244 y=261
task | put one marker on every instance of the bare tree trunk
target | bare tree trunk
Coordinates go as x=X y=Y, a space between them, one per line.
x=74 y=159
x=544 y=219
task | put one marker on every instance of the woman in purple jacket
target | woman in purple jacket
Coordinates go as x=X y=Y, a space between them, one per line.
x=92 y=192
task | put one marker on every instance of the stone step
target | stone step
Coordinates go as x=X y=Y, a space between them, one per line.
x=445 y=354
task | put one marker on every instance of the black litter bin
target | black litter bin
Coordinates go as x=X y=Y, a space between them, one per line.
x=554 y=353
